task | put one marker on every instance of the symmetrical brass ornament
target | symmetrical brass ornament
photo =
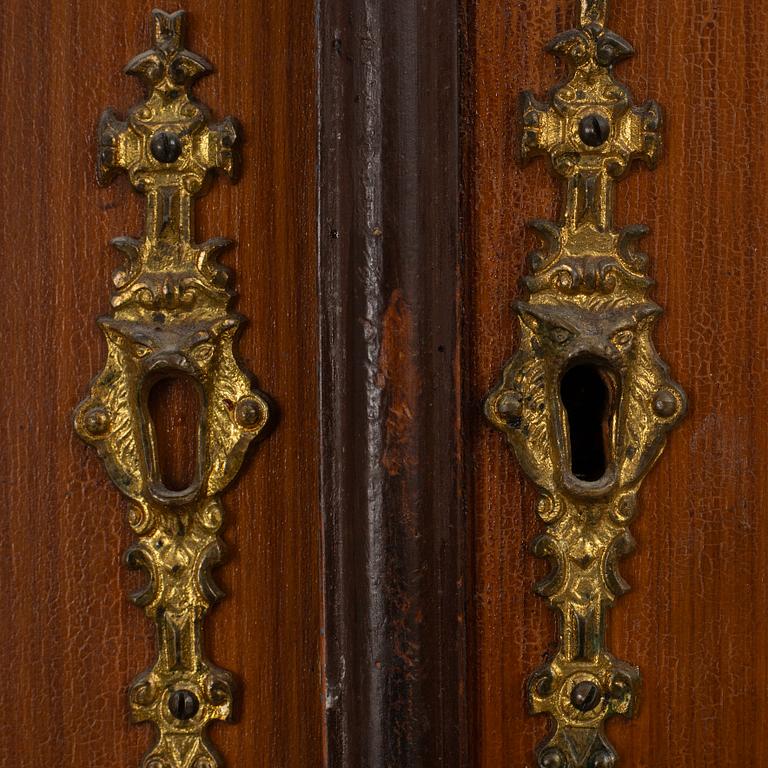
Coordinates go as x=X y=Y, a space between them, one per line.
x=171 y=318
x=586 y=402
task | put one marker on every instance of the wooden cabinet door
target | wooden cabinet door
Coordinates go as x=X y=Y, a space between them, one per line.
x=693 y=620
x=424 y=204
x=379 y=608
x=74 y=642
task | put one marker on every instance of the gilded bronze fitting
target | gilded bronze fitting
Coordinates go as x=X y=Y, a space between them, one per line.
x=586 y=402
x=170 y=318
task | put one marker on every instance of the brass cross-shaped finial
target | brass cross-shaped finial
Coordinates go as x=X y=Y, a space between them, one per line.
x=589 y=129
x=166 y=145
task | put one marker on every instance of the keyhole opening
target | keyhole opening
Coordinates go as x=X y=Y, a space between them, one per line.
x=175 y=408
x=588 y=394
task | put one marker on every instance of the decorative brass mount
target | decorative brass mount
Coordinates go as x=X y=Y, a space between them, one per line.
x=171 y=319
x=586 y=402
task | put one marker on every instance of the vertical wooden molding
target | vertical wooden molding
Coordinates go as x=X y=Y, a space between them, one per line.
x=389 y=390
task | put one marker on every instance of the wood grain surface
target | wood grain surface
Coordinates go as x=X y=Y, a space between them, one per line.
x=398 y=478
x=73 y=642
x=695 y=622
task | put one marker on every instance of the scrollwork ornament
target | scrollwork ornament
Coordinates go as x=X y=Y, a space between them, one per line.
x=586 y=327
x=171 y=317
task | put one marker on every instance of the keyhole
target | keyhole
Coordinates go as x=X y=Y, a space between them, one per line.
x=175 y=409
x=587 y=392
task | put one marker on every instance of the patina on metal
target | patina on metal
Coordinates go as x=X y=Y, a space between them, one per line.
x=586 y=402
x=170 y=318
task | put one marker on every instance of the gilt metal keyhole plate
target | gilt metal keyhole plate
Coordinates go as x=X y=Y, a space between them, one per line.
x=586 y=402
x=171 y=318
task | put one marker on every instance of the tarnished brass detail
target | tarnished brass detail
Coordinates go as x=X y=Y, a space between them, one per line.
x=586 y=402
x=171 y=318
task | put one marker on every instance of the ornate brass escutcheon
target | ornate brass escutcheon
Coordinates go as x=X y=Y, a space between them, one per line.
x=586 y=402
x=170 y=319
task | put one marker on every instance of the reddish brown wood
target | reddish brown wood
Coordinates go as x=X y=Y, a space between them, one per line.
x=174 y=406
x=73 y=641
x=695 y=621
